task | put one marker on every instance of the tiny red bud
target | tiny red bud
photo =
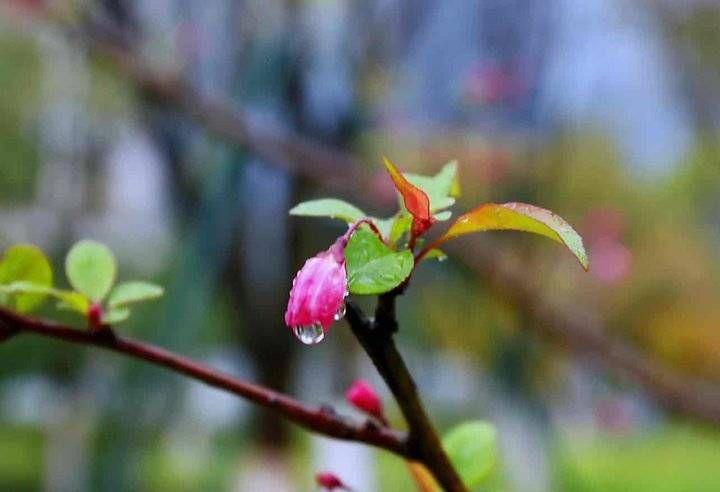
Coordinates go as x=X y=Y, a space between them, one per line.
x=329 y=481
x=363 y=397
x=94 y=316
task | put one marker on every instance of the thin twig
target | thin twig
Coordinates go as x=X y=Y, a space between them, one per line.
x=320 y=420
x=376 y=337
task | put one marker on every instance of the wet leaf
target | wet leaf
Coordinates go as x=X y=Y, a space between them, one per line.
x=372 y=267
x=518 y=217
x=435 y=254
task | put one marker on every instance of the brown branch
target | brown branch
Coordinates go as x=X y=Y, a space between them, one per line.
x=321 y=420
x=376 y=337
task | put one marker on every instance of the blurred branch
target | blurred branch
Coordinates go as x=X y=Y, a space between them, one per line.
x=376 y=337
x=321 y=420
x=582 y=333
x=573 y=329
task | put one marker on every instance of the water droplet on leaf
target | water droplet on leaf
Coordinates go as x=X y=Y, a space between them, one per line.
x=340 y=312
x=310 y=334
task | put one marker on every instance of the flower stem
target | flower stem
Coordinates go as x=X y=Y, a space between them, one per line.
x=376 y=337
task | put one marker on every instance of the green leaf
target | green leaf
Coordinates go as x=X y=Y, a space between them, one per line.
x=372 y=267
x=115 y=315
x=90 y=267
x=72 y=301
x=435 y=254
x=441 y=188
x=25 y=263
x=394 y=227
x=471 y=447
x=401 y=225
x=131 y=292
x=518 y=217
x=67 y=299
x=329 y=207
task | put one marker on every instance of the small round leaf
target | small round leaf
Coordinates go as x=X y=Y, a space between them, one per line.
x=115 y=315
x=131 y=292
x=26 y=264
x=90 y=267
x=471 y=447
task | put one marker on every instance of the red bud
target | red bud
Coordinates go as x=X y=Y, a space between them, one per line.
x=329 y=481
x=363 y=397
x=415 y=199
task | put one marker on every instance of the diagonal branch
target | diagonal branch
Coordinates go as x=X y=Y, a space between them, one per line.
x=376 y=337
x=321 y=420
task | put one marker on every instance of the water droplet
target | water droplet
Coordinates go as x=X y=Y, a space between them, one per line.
x=340 y=312
x=310 y=334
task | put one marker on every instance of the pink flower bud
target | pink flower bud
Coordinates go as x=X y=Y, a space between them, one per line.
x=329 y=481
x=363 y=397
x=318 y=294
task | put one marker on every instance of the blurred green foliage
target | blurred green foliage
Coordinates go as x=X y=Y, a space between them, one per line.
x=669 y=460
x=21 y=449
x=19 y=79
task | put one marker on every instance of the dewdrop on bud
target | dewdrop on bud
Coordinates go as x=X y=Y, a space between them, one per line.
x=317 y=297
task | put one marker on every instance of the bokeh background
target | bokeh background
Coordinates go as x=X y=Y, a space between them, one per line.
x=181 y=132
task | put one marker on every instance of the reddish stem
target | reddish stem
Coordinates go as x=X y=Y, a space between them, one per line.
x=319 y=420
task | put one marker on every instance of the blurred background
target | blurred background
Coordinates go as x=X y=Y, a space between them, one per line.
x=181 y=132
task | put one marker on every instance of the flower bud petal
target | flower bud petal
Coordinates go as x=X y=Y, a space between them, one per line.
x=363 y=397
x=328 y=481
x=318 y=290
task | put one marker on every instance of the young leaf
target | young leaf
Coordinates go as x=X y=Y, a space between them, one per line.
x=471 y=447
x=441 y=188
x=131 y=292
x=518 y=217
x=115 y=315
x=90 y=267
x=401 y=225
x=436 y=254
x=72 y=301
x=394 y=227
x=25 y=263
x=328 y=207
x=415 y=200
x=372 y=267
x=67 y=299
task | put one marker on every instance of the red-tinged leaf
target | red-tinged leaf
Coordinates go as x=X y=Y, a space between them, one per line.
x=415 y=200
x=518 y=217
